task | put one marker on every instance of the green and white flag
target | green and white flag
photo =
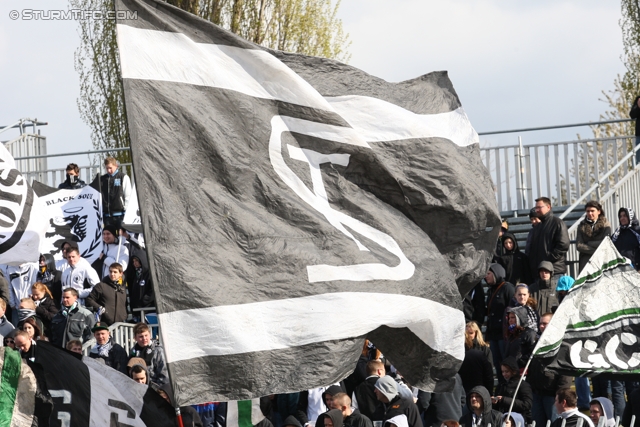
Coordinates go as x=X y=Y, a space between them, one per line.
x=244 y=413
x=596 y=328
x=18 y=388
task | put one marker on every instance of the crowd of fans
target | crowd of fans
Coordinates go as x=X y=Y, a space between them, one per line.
x=70 y=301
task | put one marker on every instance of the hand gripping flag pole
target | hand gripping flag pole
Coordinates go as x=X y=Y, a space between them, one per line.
x=522 y=377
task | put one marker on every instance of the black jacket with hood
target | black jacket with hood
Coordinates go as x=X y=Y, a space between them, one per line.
x=356 y=419
x=489 y=415
x=51 y=277
x=520 y=341
x=139 y=281
x=476 y=369
x=473 y=305
x=401 y=406
x=522 y=402
x=544 y=291
x=515 y=262
x=626 y=238
x=368 y=403
x=549 y=242
x=499 y=296
x=334 y=414
x=439 y=407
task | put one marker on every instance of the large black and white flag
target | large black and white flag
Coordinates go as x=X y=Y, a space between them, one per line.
x=22 y=226
x=293 y=206
x=596 y=328
x=72 y=215
x=86 y=392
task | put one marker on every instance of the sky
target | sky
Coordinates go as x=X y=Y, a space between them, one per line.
x=514 y=64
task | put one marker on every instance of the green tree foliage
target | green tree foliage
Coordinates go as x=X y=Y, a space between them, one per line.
x=627 y=86
x=309 y=27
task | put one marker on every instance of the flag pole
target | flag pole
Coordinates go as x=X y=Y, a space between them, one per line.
x=513 y=399
x=179 y=417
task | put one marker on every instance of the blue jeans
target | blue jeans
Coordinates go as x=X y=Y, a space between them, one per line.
x=543 y=409
x=583 y=392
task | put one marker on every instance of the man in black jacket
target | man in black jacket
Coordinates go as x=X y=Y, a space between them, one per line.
x=635 y=114
x=550 y=239
x=73 y=180
x=567 y=406
x=108 y=298
x=106 y=349
x=351 y=417
x=481 y=413
x=139 y=282
x=387 y=392
x=115 y=187
x=364 y=395
x=500 y=294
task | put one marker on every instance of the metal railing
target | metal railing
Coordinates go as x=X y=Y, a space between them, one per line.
x=559 y=170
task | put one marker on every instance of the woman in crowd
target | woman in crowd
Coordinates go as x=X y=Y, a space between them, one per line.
x=520 y=339
x=591 y=232
x=473 y=339
x=46 y=307
x=31 y=327
x=505 y=393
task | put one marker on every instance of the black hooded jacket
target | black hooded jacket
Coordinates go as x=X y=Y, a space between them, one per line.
x=489 y=415
x=522 y=402
x=498 y=299
x=51 y=277
x=515 y=262
x=626 y=239
x=549 y=242
x=113 y=297
x=139 y=282
x=589 y=236
x=334 y=414
x=68 y=185
x=521 y=340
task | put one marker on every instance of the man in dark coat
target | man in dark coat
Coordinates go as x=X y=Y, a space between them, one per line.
x=108 y=350
x=591 y=232
x=386 y=390
x=567 y=407
x=550 y=239
x=109 y=298
x=481 y=412
x=626 y=238
x=139 y=282
x=351 y=417
x=476 y=369
x=473 y=305
x=500 y=294
x=365 y=396
x=506 y=393
x=543 y=290
x=515 y=262
x=332 y=418
x=72 y=180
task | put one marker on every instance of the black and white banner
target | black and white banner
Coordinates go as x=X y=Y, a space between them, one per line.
x=132 y=222
x=22 y=225
x=72 y=216
x=596 y=327
x=86 y=392
x=306 y=205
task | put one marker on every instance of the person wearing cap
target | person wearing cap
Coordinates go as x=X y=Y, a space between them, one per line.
x=80 y=275
x=506 y=393
x=549 y=240
x=498 y=299
x=481 y=412
x=108 y=299
x=106 y=349
x=73 y=322
x=113 y=251
x=386 y=390
x=591 y=232
x=543 y=290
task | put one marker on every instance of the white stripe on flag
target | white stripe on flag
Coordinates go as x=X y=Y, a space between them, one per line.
x=280 y=324
x=377 y=120
x=233 y=416
x=174 y=57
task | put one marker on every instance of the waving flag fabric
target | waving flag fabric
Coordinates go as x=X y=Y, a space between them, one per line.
x=596 y=327
x=293 y=206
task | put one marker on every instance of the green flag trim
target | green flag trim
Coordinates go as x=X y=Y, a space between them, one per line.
x=9 y=385
x=244 y=413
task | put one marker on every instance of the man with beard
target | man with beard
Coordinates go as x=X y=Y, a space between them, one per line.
x=106 y=349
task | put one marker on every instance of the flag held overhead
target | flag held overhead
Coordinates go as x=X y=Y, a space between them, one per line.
x=293 y=205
